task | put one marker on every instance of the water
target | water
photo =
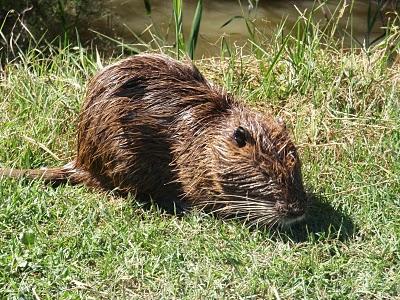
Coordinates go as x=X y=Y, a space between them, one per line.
x=128 y=17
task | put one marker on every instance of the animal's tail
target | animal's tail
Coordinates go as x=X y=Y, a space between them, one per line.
x=53 y=176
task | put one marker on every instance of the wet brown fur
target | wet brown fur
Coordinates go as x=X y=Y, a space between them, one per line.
x=155 y=127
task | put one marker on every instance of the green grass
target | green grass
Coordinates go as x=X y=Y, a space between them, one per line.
x=343 y=110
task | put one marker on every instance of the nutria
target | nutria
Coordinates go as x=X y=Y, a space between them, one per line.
x=156 y=128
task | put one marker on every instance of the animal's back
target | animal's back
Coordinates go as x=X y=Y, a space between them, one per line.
x=129 y=126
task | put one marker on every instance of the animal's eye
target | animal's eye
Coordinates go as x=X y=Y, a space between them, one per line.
x=240 y=136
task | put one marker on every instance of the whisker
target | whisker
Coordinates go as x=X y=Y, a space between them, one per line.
x=247 y=198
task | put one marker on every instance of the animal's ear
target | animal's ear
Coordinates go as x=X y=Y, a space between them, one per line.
x=281 y=122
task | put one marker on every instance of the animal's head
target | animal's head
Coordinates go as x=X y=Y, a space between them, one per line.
x=258 y=170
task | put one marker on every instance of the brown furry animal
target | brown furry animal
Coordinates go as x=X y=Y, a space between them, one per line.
x=155 y=127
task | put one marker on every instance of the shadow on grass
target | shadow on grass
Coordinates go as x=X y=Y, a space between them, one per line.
x=322 y=222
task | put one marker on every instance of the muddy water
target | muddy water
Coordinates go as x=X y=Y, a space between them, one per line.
x=127 y=17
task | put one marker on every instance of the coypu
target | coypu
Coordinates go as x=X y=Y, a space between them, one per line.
x=155 y=127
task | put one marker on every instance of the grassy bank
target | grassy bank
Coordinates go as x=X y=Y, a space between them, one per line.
x=342 y=107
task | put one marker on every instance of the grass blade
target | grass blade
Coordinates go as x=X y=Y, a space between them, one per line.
x=147 y=6
x=194 y=33
x=230 y=20
x=179 y=40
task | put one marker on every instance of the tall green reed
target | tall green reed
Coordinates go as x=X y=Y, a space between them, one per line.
x=180 y=45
